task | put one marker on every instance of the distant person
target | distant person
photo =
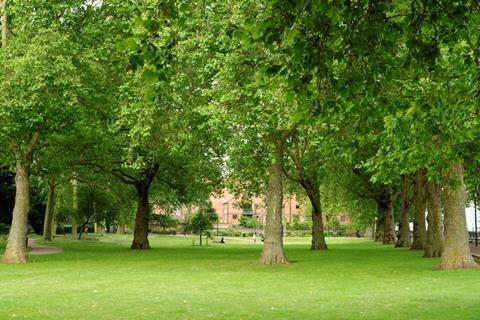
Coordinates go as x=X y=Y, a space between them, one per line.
x=222 y=240
x=254 y=237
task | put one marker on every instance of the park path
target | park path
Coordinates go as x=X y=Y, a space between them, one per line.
x=475 y=252
x=42 y=249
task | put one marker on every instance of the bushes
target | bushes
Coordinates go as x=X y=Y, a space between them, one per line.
x=4 y=228
x=161 y=230
x=248 y=222
x=299 y=225
x=299 y=233
x=230 y=233
x=164 y=221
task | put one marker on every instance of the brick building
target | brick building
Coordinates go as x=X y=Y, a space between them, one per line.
x=229 y=210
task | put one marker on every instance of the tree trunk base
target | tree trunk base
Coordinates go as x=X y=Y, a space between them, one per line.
x=273 y=254
x=433 y=252
x=318 y=246
x=140 y=245
x=389 y=240
x=416 y=245
x=403 y=243
x=458 y=262
x=16 y=256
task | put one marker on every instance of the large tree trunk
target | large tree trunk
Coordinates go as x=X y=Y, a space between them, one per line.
x=47 y=223
x=75 y=208
x=434 y=241
x=273 y=245
x=456 y=254
x=388 y=224
x=16 y=250
x=318 y=235
x=404 y=226
x=379 y=224
x=3 y=21
x=121 y=229
x=97 y=228
x=419 y=225
x=56 y=207
x=82 y=229
x=142 y=216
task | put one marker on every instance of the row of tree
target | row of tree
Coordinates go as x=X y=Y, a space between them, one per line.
x=364 y=106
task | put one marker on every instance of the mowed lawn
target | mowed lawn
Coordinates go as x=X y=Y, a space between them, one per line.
x=355 y=279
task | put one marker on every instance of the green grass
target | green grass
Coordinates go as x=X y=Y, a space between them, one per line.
x=355 y=279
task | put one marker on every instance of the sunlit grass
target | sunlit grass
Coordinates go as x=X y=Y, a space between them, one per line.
x=355 y=279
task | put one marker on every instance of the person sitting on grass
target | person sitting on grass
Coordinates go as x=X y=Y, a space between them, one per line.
x=220 y=241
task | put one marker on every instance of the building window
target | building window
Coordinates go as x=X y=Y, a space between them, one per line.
x=235 y=216
x=297 y=205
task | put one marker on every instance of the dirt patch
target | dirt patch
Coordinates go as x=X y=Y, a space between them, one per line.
x=42 y=249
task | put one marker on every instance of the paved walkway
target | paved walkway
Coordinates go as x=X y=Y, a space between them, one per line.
x=41 y=249
x=475 y=250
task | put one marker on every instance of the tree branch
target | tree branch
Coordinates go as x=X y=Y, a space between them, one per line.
x=32 y=144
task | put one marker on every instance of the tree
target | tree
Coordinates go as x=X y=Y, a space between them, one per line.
x=3 y=22
x=456 y=253
x=94 y=206
x=307 y=163
x=203 y=220
x=434 y=240
x=47 y=224
x=164 y=220
x=158 y=138
x=59 y=52
x=403 y=239
x=27 y=112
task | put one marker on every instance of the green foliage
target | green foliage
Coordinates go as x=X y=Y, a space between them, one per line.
x=203 y=219
x=164 y=220
x=4 y=228
x=300 y=225
x=248 y=221
x=181 y=97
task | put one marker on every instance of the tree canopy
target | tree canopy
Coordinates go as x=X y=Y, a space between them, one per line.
x=369 y=107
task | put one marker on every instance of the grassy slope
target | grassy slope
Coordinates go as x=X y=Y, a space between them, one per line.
x=353 y=280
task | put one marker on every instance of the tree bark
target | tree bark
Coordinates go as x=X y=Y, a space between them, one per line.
x=56 y=207
x=121 y=229
x=16 y=250
x=47 y=223
x=3 y=22
x=456 y=254
x=75 y=208
x=434 y=241
x=98 y=228
x=273 y=245
x=142 y=216
x=388 y=225
x=419 y=225
x=404 y=225
x=379 y=224
x=318 y=235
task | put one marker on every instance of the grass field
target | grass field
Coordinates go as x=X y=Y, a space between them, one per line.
x=355 y=279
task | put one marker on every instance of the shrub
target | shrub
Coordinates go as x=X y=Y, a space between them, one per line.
x=4 y=228
x=298 y=225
